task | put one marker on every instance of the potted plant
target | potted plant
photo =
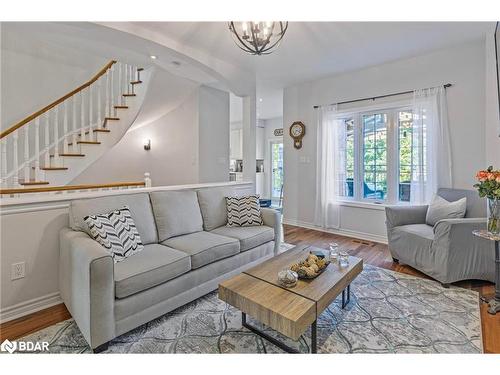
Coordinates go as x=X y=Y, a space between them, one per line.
x=488 y=186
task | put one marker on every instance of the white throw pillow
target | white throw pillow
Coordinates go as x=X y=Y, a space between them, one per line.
x=441 y=209
x=116 y=232
x=243 y=211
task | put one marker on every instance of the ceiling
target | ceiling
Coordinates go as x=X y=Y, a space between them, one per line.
x=311 y=50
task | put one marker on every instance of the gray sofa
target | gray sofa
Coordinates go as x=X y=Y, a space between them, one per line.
x=188 y=251
x=448 y=252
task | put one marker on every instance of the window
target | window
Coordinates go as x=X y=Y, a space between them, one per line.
x=378 y=155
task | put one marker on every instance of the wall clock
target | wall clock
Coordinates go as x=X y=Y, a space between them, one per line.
x=297 y=132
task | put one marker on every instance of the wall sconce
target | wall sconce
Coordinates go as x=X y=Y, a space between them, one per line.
x=147 y=144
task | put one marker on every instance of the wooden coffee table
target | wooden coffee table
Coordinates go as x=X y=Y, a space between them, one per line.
x=290 y=311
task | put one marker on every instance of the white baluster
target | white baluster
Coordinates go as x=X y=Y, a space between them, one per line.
x=15 y=161
x=91 y=114
x=107 y=112
x=4 y=161
x=37 y=149
x=65 y=127
x=147 y=180
x=112 y=99
x=82 y=117
x=120 y=83
x=56 y=136
x=47 y=139
x=99 y=117
x=134 y=78
x=130 y=88
x=74 y=126
x=26 y=152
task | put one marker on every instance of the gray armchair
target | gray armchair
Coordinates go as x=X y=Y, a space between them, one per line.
x=448 y=252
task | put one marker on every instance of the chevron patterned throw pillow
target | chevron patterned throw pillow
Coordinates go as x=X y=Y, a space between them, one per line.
x=116 y=231
x=243 y=211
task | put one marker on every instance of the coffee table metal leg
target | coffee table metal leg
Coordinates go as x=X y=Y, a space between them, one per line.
x=494 y=304
x=345 y=300
x=279 y=344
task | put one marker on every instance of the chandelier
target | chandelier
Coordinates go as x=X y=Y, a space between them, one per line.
x=258 y=38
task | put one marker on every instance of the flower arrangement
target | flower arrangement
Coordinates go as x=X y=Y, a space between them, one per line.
x=488 y=186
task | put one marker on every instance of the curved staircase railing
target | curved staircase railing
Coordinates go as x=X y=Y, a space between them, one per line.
x=37 y=143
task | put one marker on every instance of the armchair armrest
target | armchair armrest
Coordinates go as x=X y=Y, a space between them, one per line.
x=86 y=282
x=405 y=215
x=272 y=218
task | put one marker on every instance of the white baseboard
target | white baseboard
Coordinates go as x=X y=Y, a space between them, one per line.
x=340 y=232
x=28 y=307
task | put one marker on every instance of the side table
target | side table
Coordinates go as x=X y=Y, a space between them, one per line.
x=494 y=303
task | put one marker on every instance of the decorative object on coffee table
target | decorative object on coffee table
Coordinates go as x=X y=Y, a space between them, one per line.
x=488 y=186
x=310 y=268
x=494 y=303
x=288 y=278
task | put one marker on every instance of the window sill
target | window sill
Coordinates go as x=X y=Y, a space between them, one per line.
x=369 y=205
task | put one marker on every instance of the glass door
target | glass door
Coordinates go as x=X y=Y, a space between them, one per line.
x=276 y=172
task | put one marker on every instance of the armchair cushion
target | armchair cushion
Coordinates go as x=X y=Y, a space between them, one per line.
x=152 y=266
x=441 y=209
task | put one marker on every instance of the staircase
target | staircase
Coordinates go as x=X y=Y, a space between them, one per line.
x=55 y=144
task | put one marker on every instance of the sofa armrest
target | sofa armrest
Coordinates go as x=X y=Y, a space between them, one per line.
x=86 y=283
x=405 y=215
x=272 y=218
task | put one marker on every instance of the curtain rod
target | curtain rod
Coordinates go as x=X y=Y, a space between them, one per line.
x=377 y=97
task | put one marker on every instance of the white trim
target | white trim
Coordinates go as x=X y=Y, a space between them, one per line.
x=29 y=307
x=340 y=232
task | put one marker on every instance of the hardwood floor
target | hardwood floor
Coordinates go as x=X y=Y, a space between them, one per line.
x=372 y=253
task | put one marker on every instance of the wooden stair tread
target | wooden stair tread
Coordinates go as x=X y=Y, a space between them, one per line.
x=140 y=69
x=135 y=82
x=29 y=183
x=77 y=155
x=129 y=94
x=96 y=131
x=54 y=168
x=111 y=118
x=88 y=142
x=121 y=106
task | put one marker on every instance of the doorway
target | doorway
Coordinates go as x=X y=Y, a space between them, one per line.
x=276 y=173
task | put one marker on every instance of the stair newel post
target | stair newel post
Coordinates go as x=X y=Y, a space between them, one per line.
x=37 y=149
x=15 y=160
x=4 y=161
x=82 y=118
x=91 y=113
x=112 y=99
x=26 y=152
x=73 y=120
x=56 y=136
x=46 y=140
x=65 y=128
x=107 y=112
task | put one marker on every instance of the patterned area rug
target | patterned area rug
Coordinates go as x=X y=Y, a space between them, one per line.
x=389 y=312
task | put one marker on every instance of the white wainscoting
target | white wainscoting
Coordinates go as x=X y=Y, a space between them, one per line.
x=30 y=228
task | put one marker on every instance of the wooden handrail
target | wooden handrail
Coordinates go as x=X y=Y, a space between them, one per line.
x=69 y=187
x=58 y=101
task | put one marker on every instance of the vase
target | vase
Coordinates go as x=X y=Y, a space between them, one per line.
x=494 y=216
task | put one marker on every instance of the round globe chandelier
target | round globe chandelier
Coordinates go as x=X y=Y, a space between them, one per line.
x=258 y=38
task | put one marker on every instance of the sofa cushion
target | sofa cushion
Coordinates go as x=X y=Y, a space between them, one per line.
x=152 y=266
x=249 y=237
x=441 y=209
x=213 y=206
x=204 y=247
x=138 y=204
x=176 y=213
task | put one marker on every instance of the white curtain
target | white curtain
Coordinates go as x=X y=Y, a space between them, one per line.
x=328 y=167
x=431 y=145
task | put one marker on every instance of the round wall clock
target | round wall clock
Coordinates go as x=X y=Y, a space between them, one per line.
x=297 y=132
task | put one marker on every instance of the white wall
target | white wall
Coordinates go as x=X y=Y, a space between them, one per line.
x=492 y=132
x=463 y=66
x=213 y=135
x=36 y=72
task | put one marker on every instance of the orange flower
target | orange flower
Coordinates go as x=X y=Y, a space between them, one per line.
x=482 y=175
